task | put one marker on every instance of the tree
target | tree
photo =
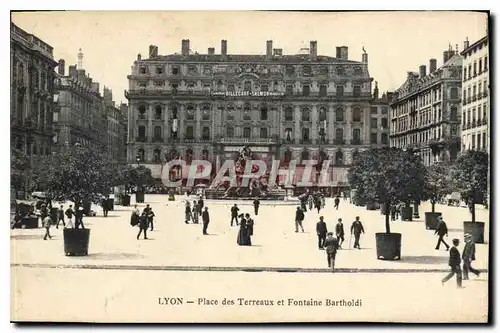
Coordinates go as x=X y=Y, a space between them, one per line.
x=438 y=183
x=81 y=173
x=387 y=175
x=135 y=176
x=20 y=169
x=470 y=177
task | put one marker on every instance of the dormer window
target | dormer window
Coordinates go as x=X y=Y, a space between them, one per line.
x=175 y=70
x=142 y=70
x=159 y=70
x=306 y=70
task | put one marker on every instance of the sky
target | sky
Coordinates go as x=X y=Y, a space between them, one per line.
x=396 y=42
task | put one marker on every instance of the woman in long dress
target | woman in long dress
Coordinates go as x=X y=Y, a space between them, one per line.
x=188 y=212
x=243 y=238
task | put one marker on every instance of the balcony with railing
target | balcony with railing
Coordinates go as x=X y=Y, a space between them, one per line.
x=474 y=97
x=355 y=142
x=305 y=141
x=249 y=140
x=141 y=139
x=157 y=139
x=339 y=141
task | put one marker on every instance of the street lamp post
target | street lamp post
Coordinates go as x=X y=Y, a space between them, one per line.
x=139 y=193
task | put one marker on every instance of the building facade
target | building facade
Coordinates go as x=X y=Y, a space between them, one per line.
x=425 y=110
x=32 y=93
x=476 y=100
x=210 y=106
x=379 y=118
x=114 y=135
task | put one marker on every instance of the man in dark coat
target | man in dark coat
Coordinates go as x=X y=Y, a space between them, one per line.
x=357 y=229
x=339 y=231
x=331 y=246
x=250 y=224
x=201 y=204
x=299 y=217
x=205 y=217
x=234 y=214
x=469 y=255
x=454 y=263
x=151 y=217
x=60 y=217
x=143 y=225
x=321 y=231
x=105 y=206
x=79 y=218
x=256 y=204
x=337 y=202
x=441 y=231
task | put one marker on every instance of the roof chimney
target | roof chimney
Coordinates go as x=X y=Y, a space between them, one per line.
x=364 y=58
x=223 y=47
x=432 y=65
x=185 y=47
x=153 y=51
x=422 y=71
x=375 y=91
x=342 y=52
x=73 y=72
x=466 y=43
x=211 y=50
x=139 y=56
x=313 y=50
x=269 y=49
x=95 y=87
x=278 y=52
x=61 y=67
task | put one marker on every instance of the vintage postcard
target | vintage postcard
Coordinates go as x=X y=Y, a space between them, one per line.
x=250 y=166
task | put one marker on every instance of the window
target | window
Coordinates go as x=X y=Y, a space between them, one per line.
x=175 y=70
x=246 y=132
x=189 y=132
x=453 y=113
x=322 y=135
x=454 y=92
x=485 y=63
x=247 y=86
x=158 y=112
x=384 y=139
x=142 y=131
x=374 y=110
x=473 y=141
x=142 y=112
x=305 y=134
x=230 y=87
x=339 y=158
x=339 y=114
x=205 y=113
x=484 y=140
x=288 y=134
x=385 y=110
x=159 y=83
x=322 y=90
x=479 y=142
x=374 y=123
x=174 y=88
x=373 y=138
x=264 y=87
x=140 y=154
x=192 y=70
x=384 y=124
x=207 y=86
x=190 y=112
x=159 y=70
x=340 y=71
x=356 y=135
x=356 y=114
x=288 y=114
x=339 y=134
x=479 y=89
x=263 y=133
x=289 y=89
x=469 y=70
x=174 y=112
x=306 y=89
x=205 y=133
x=322 y=114
x=480 y=65
x=357 y=91
x=230 y=132
x=475 y=68
x=465 y=73
x=229 y=114
x=157 y=132
x=306 y=70
x=305 y=115
x=340 y=91
x=246 y=115
x=290 y=70
x=142 y=70
x=263 y=113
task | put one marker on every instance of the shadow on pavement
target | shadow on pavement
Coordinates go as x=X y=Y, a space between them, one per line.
x=26 y=237
x=455 y=230
x=111 y=256
x=432 y=260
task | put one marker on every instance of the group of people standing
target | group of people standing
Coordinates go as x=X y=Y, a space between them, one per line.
x=47 y=222
x=194 y=213
x=312 y=200
x=245 y=222
x=144 y=220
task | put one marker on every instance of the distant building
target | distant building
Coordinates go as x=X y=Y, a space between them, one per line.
x=425 y=110
x=32 y=93
x=379 y=118
x=476 y=96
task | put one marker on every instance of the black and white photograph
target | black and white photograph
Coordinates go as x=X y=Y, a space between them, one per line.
x=250 y=166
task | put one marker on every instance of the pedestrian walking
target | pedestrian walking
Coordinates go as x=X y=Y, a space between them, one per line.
x=234 y=214
x=60 y=217
x=321 y=231
x=250 y=224
x=201 y=204
x=441 y=231
x=105 y=206
x=299 y=217
x=357 y=229
x=310 y=202
x=339 y=231
x=469 y=255
x=79 y=218
x=336 y=202
x=151 y=218
x=331 y=246
x=69 y=214
x=256 y=204
x=187 y=213
x=243 y=236
x=317 y=203
x=454 y=264
x=47 y=221
x=206 y=220
x=143 y=225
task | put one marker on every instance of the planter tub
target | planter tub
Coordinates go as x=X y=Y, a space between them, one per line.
x=371 y=206
x=431 y=220
x=139 y=197
x=126 y=200
x=476 y=229
x=76 y=242
x=111 y=204
x=29 y=222
x=406 y=214
x=171 y=197
x=388 y=246
x=87 y=207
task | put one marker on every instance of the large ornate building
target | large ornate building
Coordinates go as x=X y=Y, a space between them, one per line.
x=31 y=82
x=476 y=101
x=209 y=106
x=425 y=110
